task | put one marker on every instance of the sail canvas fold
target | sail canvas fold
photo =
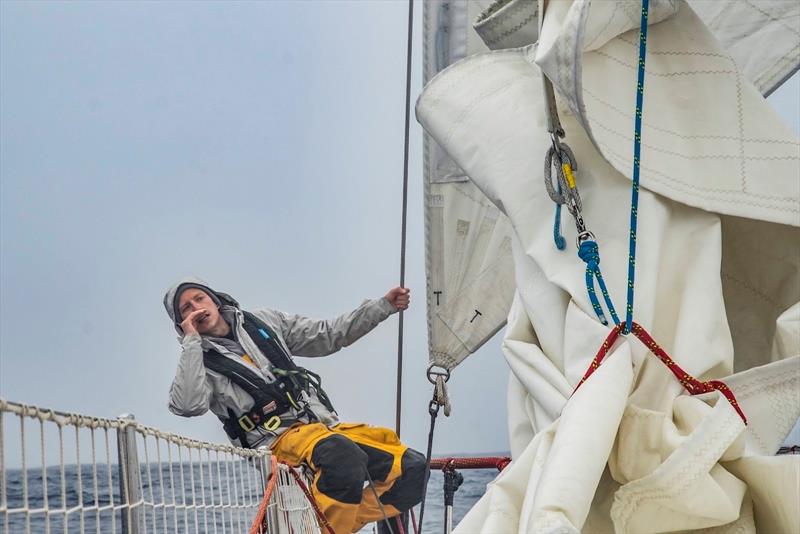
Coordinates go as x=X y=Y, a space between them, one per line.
x=761 y=44
x=717 y=283
x=469 y=269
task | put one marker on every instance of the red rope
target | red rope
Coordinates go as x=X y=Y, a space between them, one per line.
x=690 y=383
x=258 y=522
x=399 y=524
x=320 y=516
x=487 y=462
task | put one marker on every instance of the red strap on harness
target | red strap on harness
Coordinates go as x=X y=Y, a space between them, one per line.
x=690 y=383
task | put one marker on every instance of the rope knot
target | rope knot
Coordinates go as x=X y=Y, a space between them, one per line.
x=589 y=253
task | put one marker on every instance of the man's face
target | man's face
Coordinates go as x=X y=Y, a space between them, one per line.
x=194 y=299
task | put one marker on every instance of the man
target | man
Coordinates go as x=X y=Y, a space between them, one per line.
x=240 y=366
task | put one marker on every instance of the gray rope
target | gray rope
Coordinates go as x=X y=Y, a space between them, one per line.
x=380 y=504
x=561 y=194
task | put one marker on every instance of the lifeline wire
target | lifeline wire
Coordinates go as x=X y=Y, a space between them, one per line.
x=398 y=402
x=637 y=146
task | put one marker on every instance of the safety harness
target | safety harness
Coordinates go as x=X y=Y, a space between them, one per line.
x=272 y=401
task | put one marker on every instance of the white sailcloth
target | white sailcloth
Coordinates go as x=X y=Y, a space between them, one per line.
x=717 y=282
x=469 y=269
x=468 y=260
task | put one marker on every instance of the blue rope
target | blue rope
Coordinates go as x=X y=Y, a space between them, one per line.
x=637 y=144
x=560 y=242
x=590 y=253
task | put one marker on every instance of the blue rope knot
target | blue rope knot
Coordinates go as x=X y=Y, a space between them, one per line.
x=589 y=252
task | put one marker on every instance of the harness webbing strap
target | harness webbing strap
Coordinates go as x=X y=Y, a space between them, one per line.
x=690 y=383
x=271 y=400
x=283 y=365
x=265 y=395
x=254 y=385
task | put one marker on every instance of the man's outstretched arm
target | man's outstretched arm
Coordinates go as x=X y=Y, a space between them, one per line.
x=317 y=337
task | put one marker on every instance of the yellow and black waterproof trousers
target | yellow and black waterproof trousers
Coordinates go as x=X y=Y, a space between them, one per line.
x=344 y=459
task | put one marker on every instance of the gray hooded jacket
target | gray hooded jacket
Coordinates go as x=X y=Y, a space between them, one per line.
x=196 y=390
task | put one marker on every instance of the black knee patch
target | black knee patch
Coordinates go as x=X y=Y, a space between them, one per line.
x=343 y=467
x=407 y=490
x=379 y=462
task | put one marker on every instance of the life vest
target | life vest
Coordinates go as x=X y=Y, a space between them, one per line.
x=272 y=401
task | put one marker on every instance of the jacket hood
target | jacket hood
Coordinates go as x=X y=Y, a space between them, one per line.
x=171 y=298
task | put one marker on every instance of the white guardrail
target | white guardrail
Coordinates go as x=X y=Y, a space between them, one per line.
x=89 y=474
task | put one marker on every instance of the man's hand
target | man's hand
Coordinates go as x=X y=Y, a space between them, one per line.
x=400 y=297
x=189 y=325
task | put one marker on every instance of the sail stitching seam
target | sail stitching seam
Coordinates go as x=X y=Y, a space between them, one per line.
x=696 y=136
x=708 y=193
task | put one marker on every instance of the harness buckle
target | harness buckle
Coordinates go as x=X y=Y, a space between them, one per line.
x=246 y=423
x=273 y=423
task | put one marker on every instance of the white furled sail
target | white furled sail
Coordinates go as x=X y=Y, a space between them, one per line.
x=718 y=268
x=469 y=266
x=470 y=278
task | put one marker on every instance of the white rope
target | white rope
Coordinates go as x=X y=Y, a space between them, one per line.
x=219 y=491
x=110 y=483
x=62 y=471
x=160 y=467
x=212 y=485
x=194 y=496
x=215 y=501
x=203 y=491
x=44 y=478
x=233 y=515
x=24 y=475
x=172 y=489
x=3 y=490
x=94 y=481
x=149 y=486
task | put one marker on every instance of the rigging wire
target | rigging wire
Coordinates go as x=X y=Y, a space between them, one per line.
x=398 y=401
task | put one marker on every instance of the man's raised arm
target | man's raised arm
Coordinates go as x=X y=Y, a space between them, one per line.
x=318 y=337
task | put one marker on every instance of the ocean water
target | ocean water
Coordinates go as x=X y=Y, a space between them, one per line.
x=97 y=493
x=471 y=490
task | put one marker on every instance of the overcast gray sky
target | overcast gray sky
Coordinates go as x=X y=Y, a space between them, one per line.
x=256 y=145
